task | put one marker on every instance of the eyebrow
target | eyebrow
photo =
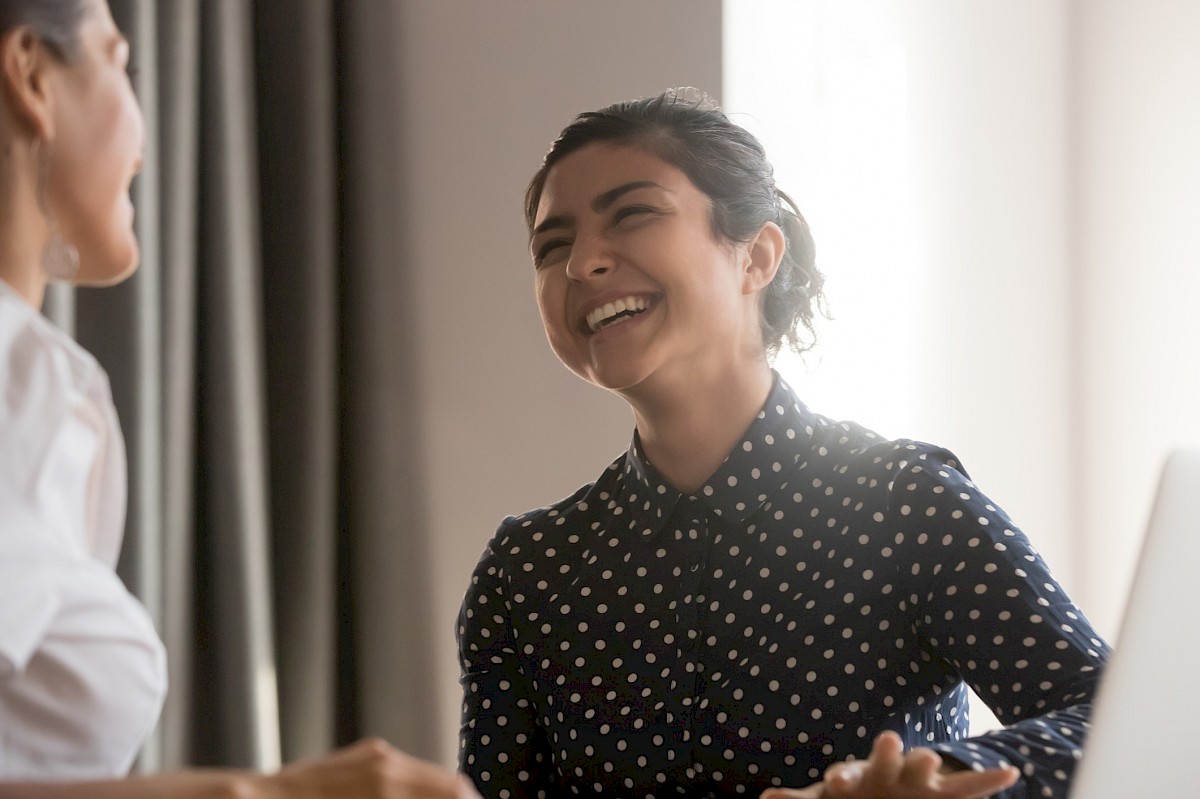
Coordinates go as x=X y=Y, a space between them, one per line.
x=601 y=202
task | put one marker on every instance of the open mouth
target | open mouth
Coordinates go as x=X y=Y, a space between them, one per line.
x=615 y=312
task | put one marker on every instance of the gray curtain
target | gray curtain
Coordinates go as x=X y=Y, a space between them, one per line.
x=261 y=361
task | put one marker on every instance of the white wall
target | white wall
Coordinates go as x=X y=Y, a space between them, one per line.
x=1138 y=217
x=486 y=87
x=989 y=117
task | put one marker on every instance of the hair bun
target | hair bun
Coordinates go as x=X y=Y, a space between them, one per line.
x=690 y=96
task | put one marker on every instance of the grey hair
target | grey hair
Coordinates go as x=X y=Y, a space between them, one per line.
x=56 y=22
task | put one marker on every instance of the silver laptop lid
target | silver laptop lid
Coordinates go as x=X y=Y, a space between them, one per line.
x=1146 y=722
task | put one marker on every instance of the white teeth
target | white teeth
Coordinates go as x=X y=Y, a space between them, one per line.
x=599 y=317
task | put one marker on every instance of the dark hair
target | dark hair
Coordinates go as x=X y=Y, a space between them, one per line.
x=687 y=129
x=56 y=22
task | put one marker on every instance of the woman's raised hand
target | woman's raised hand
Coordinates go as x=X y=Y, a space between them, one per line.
x=369 y=769
x=891 y=773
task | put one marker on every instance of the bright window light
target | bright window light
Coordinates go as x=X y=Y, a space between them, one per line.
x=822 y=83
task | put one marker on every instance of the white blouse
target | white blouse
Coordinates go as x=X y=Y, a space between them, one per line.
x=82 y=670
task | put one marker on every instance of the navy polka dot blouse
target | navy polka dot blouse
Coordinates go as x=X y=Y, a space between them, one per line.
x=825 y=585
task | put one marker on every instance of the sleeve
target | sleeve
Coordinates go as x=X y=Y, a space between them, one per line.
x=28 y=601
x=82 y=671
x=503 y=747
x=61 y=453
x=987 y=606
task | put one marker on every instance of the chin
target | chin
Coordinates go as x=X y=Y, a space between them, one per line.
x=617 y=380
x=611 y=373
x=102 y=277
x=109 y=268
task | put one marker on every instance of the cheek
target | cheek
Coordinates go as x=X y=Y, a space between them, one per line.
x=549 y=300
x=119 y=134
x=114 y=119
x=129 y=122
x=99 y=152
x=95 y=158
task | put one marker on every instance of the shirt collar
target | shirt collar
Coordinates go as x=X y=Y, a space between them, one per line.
x=758 y=468
x=650 y=498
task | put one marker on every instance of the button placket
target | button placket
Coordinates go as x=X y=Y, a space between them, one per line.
x=698 y=540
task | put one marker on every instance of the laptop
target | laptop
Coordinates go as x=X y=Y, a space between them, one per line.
x=1146 y=722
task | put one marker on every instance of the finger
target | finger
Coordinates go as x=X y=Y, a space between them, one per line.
x=422 y=779
x=976 y=784
x=813 y=791
x=425 y=784
x=884 y=764
x=843 y=779
x=920 y=766
x=466 y=788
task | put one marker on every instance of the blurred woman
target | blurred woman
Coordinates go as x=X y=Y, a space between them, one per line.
x=82 y=671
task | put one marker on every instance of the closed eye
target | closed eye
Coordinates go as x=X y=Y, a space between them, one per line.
x=627 y=211
x=548 y=249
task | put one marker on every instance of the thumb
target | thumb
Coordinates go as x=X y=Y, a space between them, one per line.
x=466 y=788
x=843 y=778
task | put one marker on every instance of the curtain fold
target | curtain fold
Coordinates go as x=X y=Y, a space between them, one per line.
x=240 y=702
x=261 y=363
x=296 y=83
x=383 y=507
x=178 y=89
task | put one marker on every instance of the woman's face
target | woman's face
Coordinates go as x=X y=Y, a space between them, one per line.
x=633 y=286
x=96 y=150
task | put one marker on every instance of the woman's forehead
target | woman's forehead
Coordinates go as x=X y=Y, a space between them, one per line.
x=582 y=175
x=97 y=13
x=97 y=30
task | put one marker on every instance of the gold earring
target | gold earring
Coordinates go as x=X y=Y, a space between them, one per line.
x=60 y=259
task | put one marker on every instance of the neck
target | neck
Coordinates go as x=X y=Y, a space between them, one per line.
x=29 y=284
x=688 y=431
x=23 y=231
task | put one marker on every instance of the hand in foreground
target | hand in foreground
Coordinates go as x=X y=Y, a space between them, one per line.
x=890 y=773
x=369 y=769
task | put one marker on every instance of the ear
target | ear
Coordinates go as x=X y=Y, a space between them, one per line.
x=24 y=78
x=764 y=252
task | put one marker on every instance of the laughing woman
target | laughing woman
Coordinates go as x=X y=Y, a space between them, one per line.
x=82 y=672
x=753 y=594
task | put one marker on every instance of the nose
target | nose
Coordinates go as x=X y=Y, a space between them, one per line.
x=589 y=260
